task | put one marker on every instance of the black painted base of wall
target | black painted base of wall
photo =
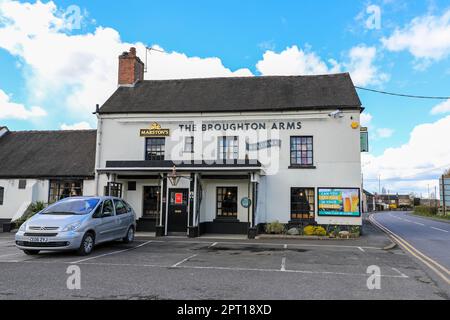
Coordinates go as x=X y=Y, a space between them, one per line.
x=224 y=227
x=193 y=232
x=159 y=231
x=146 y=225
x=252 y=233
x=5 y=225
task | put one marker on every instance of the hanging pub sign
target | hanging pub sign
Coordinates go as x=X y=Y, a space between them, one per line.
x=155 y=130
x=263 y=145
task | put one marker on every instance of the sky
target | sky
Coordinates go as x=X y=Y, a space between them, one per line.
x=58 y=59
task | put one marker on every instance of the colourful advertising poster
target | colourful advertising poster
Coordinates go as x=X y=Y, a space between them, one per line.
x=342 y=202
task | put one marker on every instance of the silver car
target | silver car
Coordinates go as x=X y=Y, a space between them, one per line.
x=77 y=223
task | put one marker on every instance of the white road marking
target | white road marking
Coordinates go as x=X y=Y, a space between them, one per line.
x=183 y=261
x=111 y=253
x=213 y=245
x=283 y=264
x=399 y=272
x=285 y=246
x=407 y=220
x=11 y=254
x=361 y=249
x=439 y=229
x=418 y=223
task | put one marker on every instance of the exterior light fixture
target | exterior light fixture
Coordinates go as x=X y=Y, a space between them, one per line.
x=338 y=114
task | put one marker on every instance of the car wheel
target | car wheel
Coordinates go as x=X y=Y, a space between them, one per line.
x=130 y=236
x=31 y=252
x=87 y=245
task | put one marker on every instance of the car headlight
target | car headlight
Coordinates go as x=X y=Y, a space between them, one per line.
x=72 y=227
x=23 y=227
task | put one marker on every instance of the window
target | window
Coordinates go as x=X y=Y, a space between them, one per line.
x=155 y=148
x=301 y=151
x=302 y=203
x=227 y=202
x=60 y=189
x=152 y=201
x=22 y=184
x=2 y=194
x=120 y=207
x=108 y=209
x=131 y=185
x=189 y=144
x=113 y=189
x=228 y=148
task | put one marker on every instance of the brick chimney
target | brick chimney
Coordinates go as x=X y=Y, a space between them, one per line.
x=131 y=68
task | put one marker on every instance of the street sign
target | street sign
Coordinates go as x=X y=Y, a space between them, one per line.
x=364 y=139
x=444 y=191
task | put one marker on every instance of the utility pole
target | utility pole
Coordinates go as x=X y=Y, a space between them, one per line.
x=379 y=184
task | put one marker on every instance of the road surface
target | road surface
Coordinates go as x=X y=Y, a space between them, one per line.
x=426 y=239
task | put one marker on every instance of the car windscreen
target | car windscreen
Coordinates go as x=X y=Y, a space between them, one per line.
x=72 y=207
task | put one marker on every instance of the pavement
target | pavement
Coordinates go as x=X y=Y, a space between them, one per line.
x=209 y=268
x=427 y=240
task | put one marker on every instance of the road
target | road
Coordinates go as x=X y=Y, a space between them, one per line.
x=428 y=240
x=180 y=268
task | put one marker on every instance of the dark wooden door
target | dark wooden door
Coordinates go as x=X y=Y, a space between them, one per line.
x=178 y=210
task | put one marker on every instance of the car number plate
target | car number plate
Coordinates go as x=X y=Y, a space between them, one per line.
x=38 y=239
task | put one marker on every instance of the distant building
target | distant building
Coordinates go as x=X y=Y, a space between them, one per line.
x=368 y=201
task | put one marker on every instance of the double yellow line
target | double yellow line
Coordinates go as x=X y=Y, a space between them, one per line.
x=440 y=270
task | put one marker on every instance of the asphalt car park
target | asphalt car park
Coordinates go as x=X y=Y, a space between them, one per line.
x=178 y=268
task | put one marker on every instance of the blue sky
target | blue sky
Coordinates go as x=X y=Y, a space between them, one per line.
x=240 y=33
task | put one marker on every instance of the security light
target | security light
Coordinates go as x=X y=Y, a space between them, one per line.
x=336 y=114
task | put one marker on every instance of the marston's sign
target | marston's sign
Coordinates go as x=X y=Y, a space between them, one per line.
x=155 y=131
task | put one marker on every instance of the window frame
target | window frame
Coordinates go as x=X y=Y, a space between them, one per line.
x=59 y=184
x=224 y=149
x=310 y=194
x=188 y=143
x=2 y=195
x=131 y=186
x=115 y=201
x=155 y=190
x=160 y=153
x=221 y=216
x=22 y=184
x=297 y=162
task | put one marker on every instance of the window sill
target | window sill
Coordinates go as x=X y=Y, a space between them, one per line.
x=298 y=166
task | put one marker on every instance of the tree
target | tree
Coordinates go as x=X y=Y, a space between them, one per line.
x=447 y=173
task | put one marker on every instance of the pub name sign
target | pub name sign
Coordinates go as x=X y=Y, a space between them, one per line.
x=155 y=130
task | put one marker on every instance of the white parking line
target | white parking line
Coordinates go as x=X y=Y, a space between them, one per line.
x=361 y=249
x=399 y=272
x=213 y=245
x=183 y=261
x=439 y=229
x=10 y=254
x=285 y=246
x=290 y=271
x=111 y=253
x=283 y=264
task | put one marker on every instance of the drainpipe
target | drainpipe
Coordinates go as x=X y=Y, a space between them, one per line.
x=97 y=149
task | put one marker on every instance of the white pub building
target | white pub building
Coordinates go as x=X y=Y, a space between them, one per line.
x=228 y=155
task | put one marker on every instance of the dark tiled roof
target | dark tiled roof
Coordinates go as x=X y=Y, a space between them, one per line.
x=274 y=93
x=33 y=154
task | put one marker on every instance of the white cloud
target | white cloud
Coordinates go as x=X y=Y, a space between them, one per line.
x=11 y=110
x=74 y=72
x=359 y=61
x=362 y=68
x=442 y=107
x=294 y=61
x=366 y=119
x=413 y=165
x=384 y=132
x=427 y=38
x=76 y=126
